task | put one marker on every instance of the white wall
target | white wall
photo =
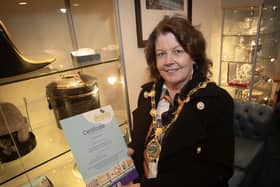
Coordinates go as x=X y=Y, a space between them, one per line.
x=135 y=63
x=206 y=13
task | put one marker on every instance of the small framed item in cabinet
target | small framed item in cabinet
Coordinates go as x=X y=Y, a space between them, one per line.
x=239 y=74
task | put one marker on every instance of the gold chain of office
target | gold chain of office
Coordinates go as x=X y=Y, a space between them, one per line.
x=153 y=148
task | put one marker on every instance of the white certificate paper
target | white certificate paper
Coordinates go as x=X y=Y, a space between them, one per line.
x=98 y=147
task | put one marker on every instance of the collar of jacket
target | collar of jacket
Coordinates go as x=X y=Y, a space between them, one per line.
x=196 y=79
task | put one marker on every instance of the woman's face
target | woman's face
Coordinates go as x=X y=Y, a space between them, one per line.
x=173 y=63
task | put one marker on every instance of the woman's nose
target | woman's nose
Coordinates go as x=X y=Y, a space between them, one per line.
x=169 y=58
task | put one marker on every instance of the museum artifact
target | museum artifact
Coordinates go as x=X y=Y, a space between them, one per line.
x=16 y=139
x=72 y=94
x=12 y=60
x=85 y=55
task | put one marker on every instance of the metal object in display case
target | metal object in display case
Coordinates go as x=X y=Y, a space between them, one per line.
x=72 y=94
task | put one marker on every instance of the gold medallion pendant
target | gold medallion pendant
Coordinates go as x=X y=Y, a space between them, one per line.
x=153 y=149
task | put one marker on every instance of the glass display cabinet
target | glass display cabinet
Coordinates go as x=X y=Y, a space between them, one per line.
x=58 y=58
x=250 y=49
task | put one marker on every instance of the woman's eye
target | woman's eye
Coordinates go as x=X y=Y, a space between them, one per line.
x=160 y=54
x=179 y=51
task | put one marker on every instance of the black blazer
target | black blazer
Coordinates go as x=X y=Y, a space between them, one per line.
x=209 y=129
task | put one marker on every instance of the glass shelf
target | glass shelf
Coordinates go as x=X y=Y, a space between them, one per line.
x=262 y=34
x=239 y=35
x=60 y=171
x=50 y=71
x=47 y=148
x=51 y=144
x=232 y=61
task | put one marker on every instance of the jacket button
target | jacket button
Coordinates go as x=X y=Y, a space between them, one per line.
x=200 y=105
x=198 y=150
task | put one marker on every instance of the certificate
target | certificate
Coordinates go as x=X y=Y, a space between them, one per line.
x=98 y=147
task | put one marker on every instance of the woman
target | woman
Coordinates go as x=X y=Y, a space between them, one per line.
x=183 y=125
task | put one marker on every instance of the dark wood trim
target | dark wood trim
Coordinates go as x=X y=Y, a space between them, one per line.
x=140 y=41
x=190 y=10
x=139 y=32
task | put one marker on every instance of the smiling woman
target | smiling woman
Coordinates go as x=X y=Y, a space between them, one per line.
x=174 y=64
x=180 y=137
x=186 y=37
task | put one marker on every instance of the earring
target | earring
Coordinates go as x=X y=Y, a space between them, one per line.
x=194 y=65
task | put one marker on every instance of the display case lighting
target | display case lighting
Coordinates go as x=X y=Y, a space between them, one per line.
x=252 y=11
x=22 y=3
x=75 y=4
x=272 y=59
x=63 y=10
x=112 y=80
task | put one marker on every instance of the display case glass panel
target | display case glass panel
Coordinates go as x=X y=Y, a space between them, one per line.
x=81 y=37
x=250 y=49
x=42 y=30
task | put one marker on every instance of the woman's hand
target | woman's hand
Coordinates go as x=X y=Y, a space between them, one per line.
x=130 y=151
x=132 y=185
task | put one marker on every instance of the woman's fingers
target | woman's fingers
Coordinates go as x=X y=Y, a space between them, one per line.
x=130 y=151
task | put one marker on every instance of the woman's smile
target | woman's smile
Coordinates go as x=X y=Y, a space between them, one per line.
x=171 y=70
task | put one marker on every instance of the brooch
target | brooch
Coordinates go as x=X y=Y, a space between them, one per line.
x=200 y=105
